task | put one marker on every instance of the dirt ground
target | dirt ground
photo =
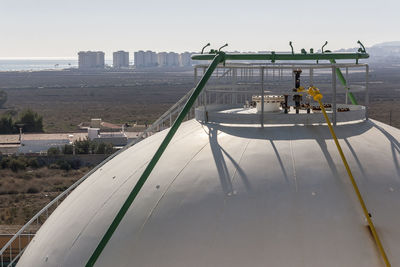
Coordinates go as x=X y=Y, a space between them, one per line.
x=24 y=193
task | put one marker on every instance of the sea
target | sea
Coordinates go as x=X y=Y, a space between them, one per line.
x=29 y=64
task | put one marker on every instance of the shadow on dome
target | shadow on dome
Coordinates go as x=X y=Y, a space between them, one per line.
x=293 y=132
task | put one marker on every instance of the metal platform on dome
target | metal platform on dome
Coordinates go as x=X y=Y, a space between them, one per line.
x=229 y=93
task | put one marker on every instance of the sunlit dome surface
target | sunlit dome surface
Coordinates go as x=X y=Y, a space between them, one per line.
x=236 y=195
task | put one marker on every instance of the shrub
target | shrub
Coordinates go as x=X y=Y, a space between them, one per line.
x=75 y=163
x=67 y=149
x=5 y=162
x=33 y=163
x=12 y=192
x=32 y=190
x=53 y=151
x=26 y=176
x=63 y=165
x=17 y=164
x=53 y=166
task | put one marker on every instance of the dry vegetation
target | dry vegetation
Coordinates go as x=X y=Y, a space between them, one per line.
x=24 y=193
x=113 y=96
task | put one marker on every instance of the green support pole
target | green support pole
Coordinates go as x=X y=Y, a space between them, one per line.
x=344 y=82
x=218 y=58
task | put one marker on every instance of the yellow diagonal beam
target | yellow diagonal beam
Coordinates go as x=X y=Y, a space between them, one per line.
x=314 y=92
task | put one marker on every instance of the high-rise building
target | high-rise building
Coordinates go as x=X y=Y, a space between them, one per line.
x=172 y=59
x=146 y=59
x=162 y=59
x=91 y=60
x=120 y=59
x=185 y=59
x=139 y=59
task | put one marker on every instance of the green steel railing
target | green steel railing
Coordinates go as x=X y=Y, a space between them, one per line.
x=216 y=59
x=344 y=83
x=273 y=56
x=285 y=56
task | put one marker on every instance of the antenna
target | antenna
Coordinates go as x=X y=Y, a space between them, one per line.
x=362 y=48
x=202 y=50
x=291 y=46
x=222 y=47
x=322 y=49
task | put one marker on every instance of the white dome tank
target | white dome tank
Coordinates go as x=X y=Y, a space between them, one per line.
x=241 y=187
x=236 y=195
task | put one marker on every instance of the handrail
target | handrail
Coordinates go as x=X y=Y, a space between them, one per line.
x=284 y=56
x=16 y=257
x=152 y=128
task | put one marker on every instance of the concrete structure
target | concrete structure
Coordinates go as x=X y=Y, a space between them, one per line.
x=114 y=138
x=91 y=60
x=120 y=59
x=41 y=146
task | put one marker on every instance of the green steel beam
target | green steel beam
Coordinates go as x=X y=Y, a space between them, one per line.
x=332 y=57
x=217 y=58
x=284 y=56
x=344 y=82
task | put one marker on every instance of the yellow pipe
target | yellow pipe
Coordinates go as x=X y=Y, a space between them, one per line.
x=314 y=92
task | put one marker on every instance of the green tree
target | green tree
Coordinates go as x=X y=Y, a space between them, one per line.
x=82 y=146
x=7 y=125
x=31 y=120
x=100 y=148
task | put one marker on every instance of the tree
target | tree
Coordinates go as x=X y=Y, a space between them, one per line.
x=104 y=148
x=82 y=146
x=31 y=120
x=3 y=98
x=7 y=125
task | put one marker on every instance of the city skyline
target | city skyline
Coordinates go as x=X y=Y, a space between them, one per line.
x=47 y=28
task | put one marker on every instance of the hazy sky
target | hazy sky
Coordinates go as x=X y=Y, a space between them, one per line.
x=60 y=28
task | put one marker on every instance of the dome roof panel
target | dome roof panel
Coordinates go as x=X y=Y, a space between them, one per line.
x=229 y=195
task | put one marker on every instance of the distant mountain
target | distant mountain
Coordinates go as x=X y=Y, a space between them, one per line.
x=386 y=44
x=387 y=51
